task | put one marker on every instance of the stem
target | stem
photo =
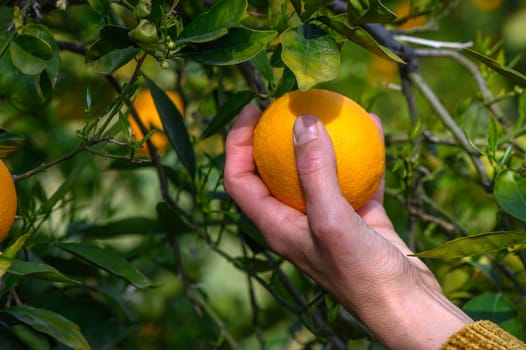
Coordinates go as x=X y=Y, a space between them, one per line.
x=475 y=72
x=42 y=168
x=450 y=123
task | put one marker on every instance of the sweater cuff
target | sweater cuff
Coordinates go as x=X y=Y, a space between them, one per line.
x=482 y=335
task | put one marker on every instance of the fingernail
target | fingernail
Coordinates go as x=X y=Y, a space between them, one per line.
x=305 y=129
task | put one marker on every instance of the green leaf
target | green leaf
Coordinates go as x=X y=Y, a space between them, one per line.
x=39 y=271
x=131 y=225
x=114 y=59
x=52 y=324
x=173 y=126
x=25 y=62
x=108 y=261
x=7 y=256
x=287 y=83
x=510 y=73
x=311 y=6
x=474 y=245
x=510 y=193
x=361 y=37
x=35 y=46
x=496 y=308
x=31 y=338
x=228 y=111
x=171 y=220
x=214 y=23
x=115 y=37
x=263 y=65
x=311 y=54
x=493 y=137
x=102 y=7
x=369 y=11
x=239 y=45
x=9 y=141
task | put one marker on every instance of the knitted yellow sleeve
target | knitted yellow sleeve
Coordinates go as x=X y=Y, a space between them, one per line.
x=483 y=335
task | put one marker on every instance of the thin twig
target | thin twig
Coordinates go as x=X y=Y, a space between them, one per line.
x=254 y=303
x=450 y=123
x=44 y=167
x=299 y=298
x=487 y=96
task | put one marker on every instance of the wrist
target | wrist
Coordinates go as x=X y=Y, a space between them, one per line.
x=421 y=319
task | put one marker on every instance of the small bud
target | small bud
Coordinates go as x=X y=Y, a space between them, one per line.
x=142 y=9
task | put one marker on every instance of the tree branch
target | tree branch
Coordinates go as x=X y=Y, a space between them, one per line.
x=475 y=72
x=450 y=123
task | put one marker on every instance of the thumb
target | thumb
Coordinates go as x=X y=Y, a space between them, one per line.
x=315 y=163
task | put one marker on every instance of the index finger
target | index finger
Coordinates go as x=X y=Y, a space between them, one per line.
x=278 y=222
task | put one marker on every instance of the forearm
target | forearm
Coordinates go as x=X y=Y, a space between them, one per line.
x=421 y=319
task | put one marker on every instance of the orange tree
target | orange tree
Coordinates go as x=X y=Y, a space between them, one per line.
x=114 y=248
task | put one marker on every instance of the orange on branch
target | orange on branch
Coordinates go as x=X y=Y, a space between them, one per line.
x=145 y=108
x=358 y=145
x=7 y=201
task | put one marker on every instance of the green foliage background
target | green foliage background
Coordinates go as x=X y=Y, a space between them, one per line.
x=117 y=249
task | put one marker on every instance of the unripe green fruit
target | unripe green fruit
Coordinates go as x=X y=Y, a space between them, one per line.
x=143 y=9
x=145 y=34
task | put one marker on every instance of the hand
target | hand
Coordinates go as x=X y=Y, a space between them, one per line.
x=355 y=255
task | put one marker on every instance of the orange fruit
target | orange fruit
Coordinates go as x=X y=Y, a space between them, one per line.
x=145 y=107
x=7 y=201
x=403 y=9
x=358 y=145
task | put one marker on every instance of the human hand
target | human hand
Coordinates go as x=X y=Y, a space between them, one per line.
x=355 y=255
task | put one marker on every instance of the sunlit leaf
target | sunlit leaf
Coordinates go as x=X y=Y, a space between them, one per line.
x=7 y=256
x=108 y=261
x=38 y=270
x=496 y=308
x=214 y=23
x=474 y=245
x=173 y=126
x=510 y=193
x=228 y=111
x=311 y=54
x=52 y=324
x=239 y=45
x=510 y=73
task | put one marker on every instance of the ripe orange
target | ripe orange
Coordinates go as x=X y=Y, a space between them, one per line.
x=357 y=143
x=7 y=201
x=403 y=9
x=145 y=107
